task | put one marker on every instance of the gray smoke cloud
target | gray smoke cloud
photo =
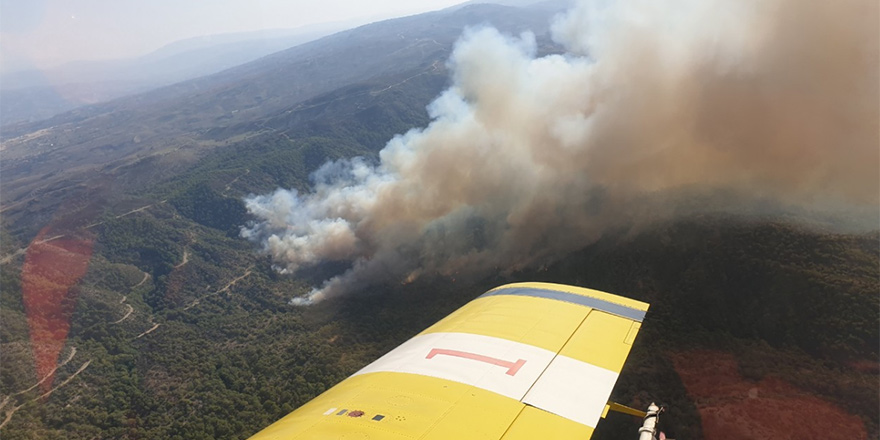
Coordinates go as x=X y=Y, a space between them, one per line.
x=528 y=158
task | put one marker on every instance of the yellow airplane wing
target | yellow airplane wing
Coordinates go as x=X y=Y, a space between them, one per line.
x=522 y=361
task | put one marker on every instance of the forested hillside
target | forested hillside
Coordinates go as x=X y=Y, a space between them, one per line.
x=228 y=355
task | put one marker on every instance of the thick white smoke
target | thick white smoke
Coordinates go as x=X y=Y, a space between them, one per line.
x=529 y=158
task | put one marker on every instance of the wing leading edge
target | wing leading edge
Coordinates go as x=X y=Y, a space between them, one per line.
x=522 y=360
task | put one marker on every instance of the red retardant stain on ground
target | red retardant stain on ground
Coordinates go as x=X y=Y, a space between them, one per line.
x=734 y=408
x=51 y=268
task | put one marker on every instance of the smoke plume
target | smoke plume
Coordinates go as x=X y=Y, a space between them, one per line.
x=528 y=158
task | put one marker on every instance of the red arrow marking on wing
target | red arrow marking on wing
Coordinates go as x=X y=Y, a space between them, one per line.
x=512 y=367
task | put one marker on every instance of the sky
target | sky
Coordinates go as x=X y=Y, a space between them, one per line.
x=46 y=33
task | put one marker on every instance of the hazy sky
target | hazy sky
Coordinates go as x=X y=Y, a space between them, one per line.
x=45 y=33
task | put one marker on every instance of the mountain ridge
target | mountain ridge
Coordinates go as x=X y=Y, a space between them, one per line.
x=175 y=119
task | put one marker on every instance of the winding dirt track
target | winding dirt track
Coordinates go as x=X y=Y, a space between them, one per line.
x=18 y=252
x=9 y=257
x=6 y=259
x=9 y=412
x=125 y=297
x=66 y=381
x=154 y=327
x=127 y=314
x=224 y=289
x=146 y=277
x=142 y=208
x=229 y=185
x=185 y=259
x=233 y=282
x=12 y=410
x=68 y=359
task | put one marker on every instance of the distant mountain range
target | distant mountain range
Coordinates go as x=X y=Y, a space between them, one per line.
x=163 y=132
x=31 y=95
